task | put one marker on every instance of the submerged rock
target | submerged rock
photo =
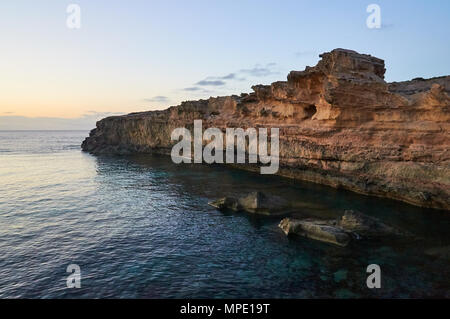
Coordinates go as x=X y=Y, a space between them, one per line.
x=315 y=229
x=260 y=203
x=361 y=224
x=255 y=203
x=352 y=225
x=340 y=275
x=439 y=252
x=225 y=203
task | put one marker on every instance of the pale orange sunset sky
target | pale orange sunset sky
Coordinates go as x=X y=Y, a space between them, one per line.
x=146 y=55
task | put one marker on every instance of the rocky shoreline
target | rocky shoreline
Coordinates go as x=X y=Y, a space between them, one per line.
x=340 y=125
x=351 y=226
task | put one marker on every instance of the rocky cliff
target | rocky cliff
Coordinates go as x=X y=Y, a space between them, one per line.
x=340 y=125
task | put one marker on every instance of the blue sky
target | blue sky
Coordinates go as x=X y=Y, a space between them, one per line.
x=144 y=55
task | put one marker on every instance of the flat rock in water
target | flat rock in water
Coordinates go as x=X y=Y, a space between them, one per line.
x=256 y=203
x=225 y=203
x=357 y=222
x=260 y=203
x=315 y=229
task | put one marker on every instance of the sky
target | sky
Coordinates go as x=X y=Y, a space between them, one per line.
x=130 y=56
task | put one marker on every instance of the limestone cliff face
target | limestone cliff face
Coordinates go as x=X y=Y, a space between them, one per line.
x=340 y=124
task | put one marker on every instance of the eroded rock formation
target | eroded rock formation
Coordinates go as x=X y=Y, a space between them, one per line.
x=352 y=225
x=315 y=229
x=340 y=125
x=255 y=203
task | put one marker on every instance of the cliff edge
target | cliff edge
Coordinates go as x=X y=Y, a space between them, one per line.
x=340 y=125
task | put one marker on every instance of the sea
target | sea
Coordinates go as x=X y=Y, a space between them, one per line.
x=141 y=227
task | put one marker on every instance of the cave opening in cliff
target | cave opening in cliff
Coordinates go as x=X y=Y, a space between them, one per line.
x=310 y=110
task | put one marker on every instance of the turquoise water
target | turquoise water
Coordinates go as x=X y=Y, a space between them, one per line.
x=140 y=226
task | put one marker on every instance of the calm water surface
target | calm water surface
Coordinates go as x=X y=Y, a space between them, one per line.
x=140 y=227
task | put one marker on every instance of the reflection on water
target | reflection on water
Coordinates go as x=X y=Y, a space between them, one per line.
x=140 y=226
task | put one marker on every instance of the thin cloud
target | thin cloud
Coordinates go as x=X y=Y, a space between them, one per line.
x=222 y=80
x=228 y=77
x=260 y=71
x=211 y=83
x=256 y=71
x=196 y=89
x=158 y=98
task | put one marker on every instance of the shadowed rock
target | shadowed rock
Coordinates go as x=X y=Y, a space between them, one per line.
x=255 y=203
x=439 y=252
x=260 y=203
x=352 y=225
x=315 y=229
x=226 y=203
x=361 y=224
